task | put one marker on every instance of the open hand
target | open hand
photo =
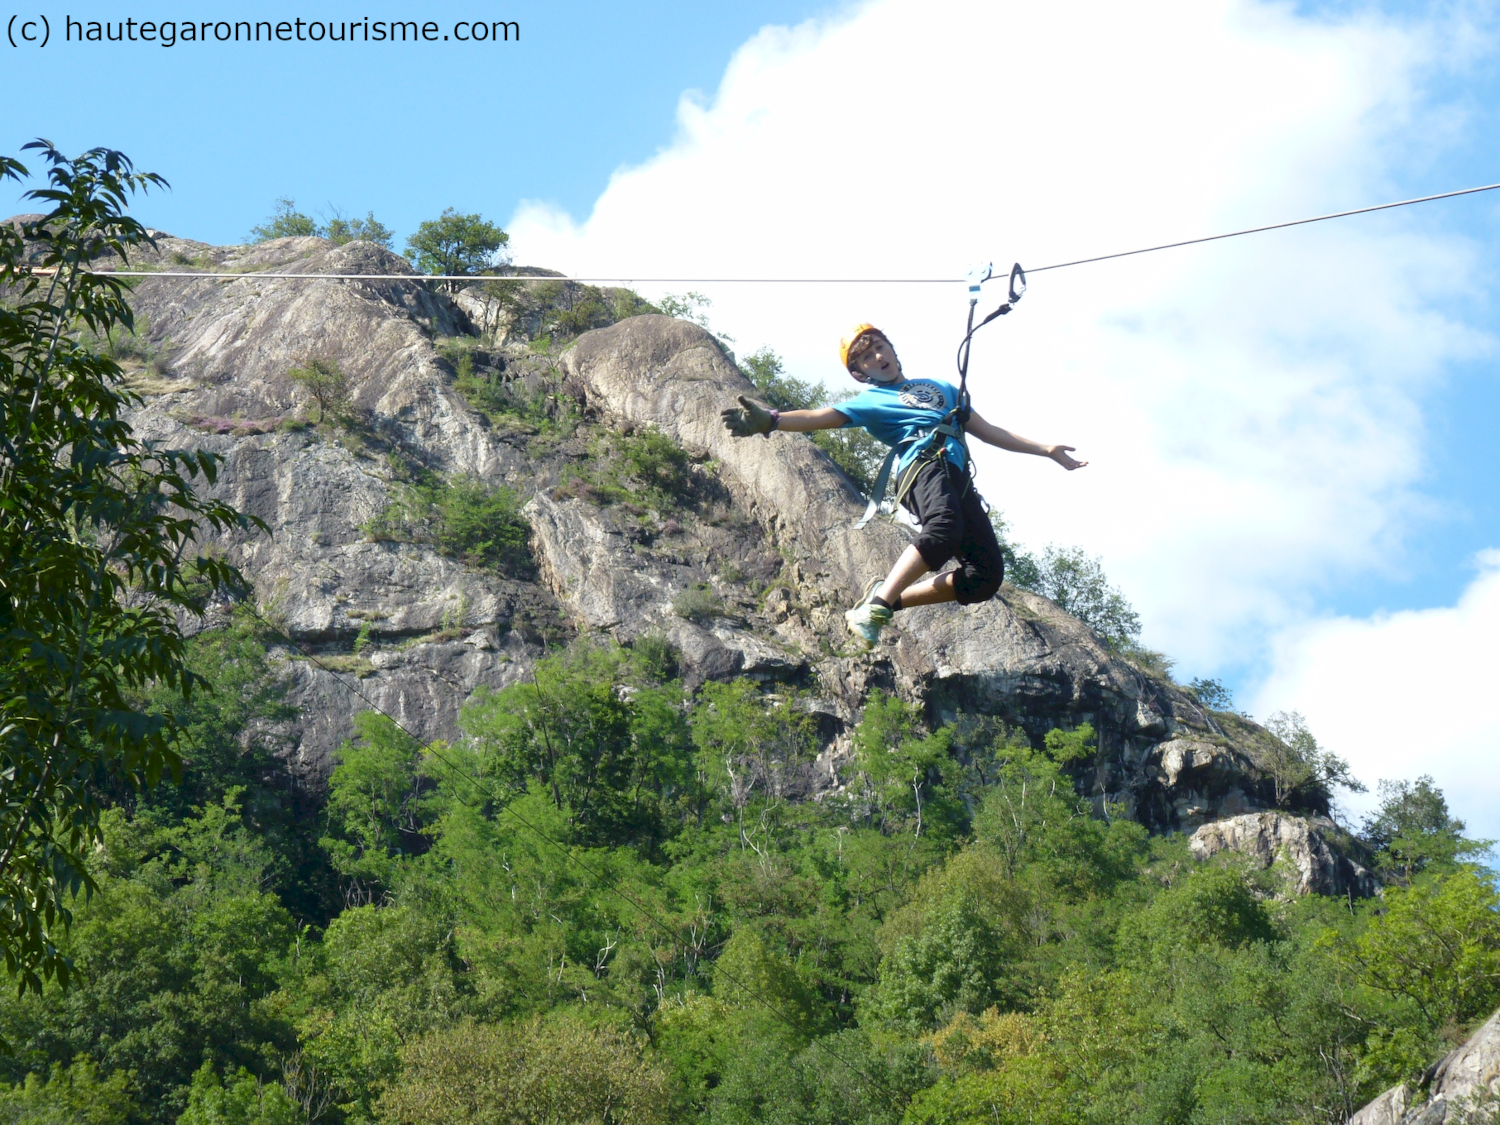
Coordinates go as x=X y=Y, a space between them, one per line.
x=1059 y=453
x=747 y=419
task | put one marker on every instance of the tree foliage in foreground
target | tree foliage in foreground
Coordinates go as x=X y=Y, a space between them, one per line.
x=601 y=905
x=96 y=535
x=518 y=1073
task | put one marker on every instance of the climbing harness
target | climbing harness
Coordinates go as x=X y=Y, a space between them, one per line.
x=953 y=423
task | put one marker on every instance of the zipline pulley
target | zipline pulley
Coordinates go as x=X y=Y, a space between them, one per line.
x=977 y=276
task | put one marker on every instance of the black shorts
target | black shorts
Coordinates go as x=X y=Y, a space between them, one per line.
x=955 y=525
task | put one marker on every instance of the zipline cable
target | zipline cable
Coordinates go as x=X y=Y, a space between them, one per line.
x=1273 y=226
x=472 y=278
x=568 y=855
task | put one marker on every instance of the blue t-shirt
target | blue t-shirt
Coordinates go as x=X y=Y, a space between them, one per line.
x=898 y=412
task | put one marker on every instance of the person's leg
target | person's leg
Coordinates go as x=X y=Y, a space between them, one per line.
x=936 y=590
x=936 y=500
x=899 y=583
x=981 y=566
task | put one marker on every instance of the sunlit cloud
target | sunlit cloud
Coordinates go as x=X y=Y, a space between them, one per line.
x=1406 y=693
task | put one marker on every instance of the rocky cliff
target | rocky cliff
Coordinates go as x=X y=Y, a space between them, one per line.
x=1463 y=1088
x=745 y=567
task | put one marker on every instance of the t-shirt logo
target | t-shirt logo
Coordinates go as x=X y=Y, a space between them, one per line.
x=922 y=395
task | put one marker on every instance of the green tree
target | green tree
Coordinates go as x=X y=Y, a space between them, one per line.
x=1301 y=770
x=245 y=1100
x=612 y=754
x=956 y=945
x=748 y=974
x=464 y=518
x=288 y=222
x=660 y=465
x=373 y=805
x=342 y=229
x=747 y=743
x=234 y=738
x=97 y=530
x=532 y=1073
x=1436 y=944
x=766 y=370
x=71 y=1095
x=847 y=1076
x=899 y=756
x=1212 y=694
x=1078 y=584
x=328 y=386
x=1412 y=831
x=687 y=306
x=482 y=526
x=1215 y=907
x=995 y=1070
x=958 y=961
x=1031 y=811
x=454 y=244
x=285 y=222
x=178 y=953
x=382 y=977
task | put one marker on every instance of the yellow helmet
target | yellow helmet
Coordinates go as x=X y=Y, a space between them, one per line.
x=848 y=342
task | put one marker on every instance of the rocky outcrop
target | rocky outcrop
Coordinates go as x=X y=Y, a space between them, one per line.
x=747 y=576
x=1462 y=1089
x=1388 y=1109
x=1314 y=850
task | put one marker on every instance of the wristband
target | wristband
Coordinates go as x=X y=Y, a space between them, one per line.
x=775 y=424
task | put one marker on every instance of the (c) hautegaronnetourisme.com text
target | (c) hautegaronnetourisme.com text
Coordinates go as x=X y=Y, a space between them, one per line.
x=37 y=31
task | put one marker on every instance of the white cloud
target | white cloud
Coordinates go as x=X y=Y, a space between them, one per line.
x=1252 y=409
x=1406 y=693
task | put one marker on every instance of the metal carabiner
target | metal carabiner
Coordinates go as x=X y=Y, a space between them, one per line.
x=1017 y=283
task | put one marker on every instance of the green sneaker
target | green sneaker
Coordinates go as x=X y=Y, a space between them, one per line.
x=866 y=620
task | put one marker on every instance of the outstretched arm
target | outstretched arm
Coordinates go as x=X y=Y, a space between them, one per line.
x=801 y=421
x=752 y=418
x=1015 y=443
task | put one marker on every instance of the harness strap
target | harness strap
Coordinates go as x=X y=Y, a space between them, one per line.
x=935 y=450
x=877 y=494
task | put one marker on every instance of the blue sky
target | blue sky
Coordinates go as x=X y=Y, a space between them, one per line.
x=405 y=130
x=1293 y=436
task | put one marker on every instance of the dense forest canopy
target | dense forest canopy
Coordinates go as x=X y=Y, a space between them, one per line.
x=598 y=906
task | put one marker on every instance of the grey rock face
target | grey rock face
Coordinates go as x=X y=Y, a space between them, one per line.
x=1463 y=1089
x=750 y=578
x=227 y=347
x=616 y=584
x=1388 y=1109
x=422 y=687
x=1311 y=846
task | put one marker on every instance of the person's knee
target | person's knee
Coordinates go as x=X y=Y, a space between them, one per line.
x=973 y=589
x=979 y=579
x=942 y=535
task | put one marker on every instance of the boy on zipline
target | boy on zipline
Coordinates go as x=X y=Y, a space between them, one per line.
x=923 y=422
